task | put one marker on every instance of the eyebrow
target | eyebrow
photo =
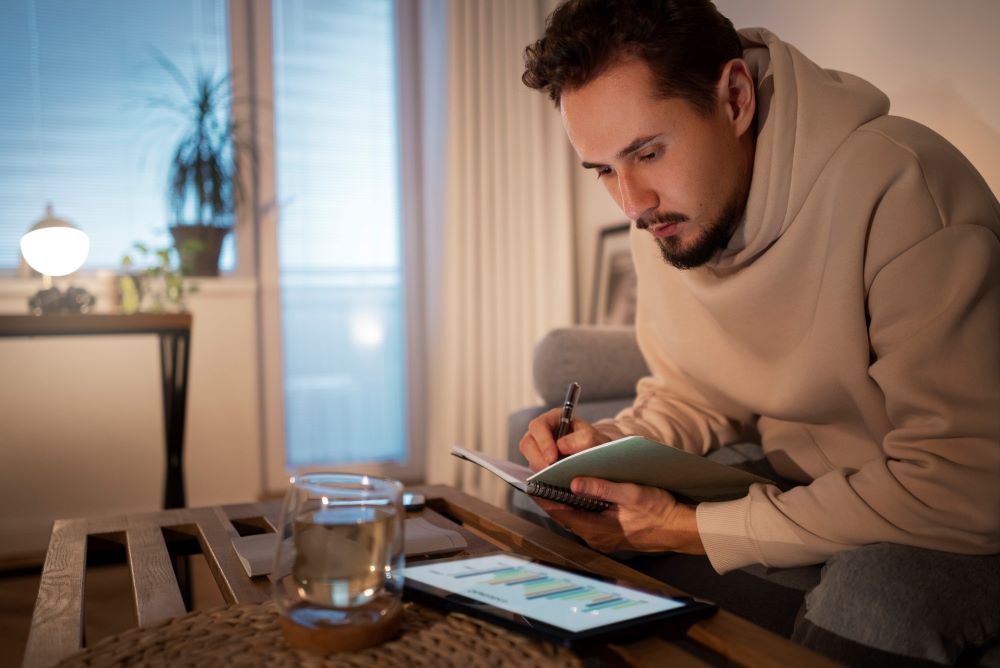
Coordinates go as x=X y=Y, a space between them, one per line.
x=634 y=146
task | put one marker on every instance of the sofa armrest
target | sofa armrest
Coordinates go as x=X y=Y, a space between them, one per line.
x=606 y=361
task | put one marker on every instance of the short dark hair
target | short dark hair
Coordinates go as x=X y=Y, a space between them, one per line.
x=685 y=42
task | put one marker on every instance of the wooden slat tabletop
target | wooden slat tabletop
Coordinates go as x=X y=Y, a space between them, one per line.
x=57 y=622
x=215 y=534
x=157 y=596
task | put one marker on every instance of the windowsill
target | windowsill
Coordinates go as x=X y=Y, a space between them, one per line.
x=15 y=291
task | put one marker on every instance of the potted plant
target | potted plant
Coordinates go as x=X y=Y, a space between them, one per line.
x=151 y=280
x=204 y=178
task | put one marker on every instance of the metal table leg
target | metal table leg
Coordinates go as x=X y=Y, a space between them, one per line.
x=175 y=352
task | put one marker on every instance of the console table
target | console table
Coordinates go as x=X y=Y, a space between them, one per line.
x=148 y=540
x=174 y=332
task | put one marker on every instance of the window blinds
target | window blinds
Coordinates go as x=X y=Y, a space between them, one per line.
x=76 y=125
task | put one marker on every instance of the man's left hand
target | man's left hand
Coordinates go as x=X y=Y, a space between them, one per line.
x=644 y=519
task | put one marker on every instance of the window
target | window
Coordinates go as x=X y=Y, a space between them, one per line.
x=339 y=242
x=77 y=128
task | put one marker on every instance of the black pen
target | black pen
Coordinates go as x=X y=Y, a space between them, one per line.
x=569 y=403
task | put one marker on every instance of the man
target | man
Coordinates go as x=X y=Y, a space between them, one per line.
x=812 y=270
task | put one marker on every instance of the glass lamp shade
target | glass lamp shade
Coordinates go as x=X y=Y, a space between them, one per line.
x=54 y=247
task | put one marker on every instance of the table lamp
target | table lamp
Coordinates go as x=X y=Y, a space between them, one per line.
x=55 y=247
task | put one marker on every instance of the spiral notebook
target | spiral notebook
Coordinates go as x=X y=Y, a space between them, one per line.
x=631 y=459
x=520 y=478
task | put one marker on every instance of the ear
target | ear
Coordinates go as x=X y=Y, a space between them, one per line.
x=737 y=95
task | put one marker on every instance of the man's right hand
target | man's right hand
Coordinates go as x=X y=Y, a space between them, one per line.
x=540 y=448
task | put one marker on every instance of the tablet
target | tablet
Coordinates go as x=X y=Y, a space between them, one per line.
x=549 y=602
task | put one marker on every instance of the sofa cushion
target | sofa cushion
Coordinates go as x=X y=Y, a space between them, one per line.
x=605 y=361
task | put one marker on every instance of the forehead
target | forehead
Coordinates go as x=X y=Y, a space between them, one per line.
x=620 y=104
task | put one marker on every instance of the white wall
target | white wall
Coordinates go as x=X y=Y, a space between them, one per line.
x=937 y=61
x=81 y=423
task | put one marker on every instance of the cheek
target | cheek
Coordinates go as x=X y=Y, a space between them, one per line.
x=725 y=175
x=704 y=185
x=611 y=186
x=707 y=170
x=677 y=187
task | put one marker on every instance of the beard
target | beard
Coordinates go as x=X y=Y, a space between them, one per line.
x=714 y=236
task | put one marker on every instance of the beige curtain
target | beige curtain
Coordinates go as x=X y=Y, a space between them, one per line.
x=505 y=271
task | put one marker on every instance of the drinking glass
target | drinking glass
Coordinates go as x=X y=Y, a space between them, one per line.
x=338 y=570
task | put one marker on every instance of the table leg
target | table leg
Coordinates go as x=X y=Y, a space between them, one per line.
x=175 y=352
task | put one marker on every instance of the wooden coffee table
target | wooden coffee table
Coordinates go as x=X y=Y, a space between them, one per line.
x=57 y=622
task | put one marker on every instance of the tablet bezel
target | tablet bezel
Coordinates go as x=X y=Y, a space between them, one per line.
x=671 y=622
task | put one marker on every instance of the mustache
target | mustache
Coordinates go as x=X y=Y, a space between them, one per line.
x=646 y=221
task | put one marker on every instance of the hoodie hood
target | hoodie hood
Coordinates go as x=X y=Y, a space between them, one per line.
x=804 y=113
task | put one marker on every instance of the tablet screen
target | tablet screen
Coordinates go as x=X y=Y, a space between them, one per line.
x=550 y=595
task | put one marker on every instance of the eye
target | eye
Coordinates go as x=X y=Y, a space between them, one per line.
x=648 y=157
x=602 y=171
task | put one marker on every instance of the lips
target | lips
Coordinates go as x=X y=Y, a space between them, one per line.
x=664 y=230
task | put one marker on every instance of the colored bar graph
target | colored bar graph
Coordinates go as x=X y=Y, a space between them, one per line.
x=557 y=591
x=470 y=574
x=542 y=583
x=605 y=603
x=582 y=592
x=540 y=586
x=526 y=580
x=513 y=576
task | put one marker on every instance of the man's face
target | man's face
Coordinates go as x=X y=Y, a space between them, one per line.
x=682 y=176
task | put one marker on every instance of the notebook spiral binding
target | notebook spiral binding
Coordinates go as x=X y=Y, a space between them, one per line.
x=561 y=495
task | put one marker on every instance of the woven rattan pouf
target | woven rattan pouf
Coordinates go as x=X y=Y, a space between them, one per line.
x=248 y=635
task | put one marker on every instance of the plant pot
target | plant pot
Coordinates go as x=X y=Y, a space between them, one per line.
x=198 y=247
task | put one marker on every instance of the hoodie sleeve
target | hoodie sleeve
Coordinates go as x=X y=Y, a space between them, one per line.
x=935 y=340
x=669 y=408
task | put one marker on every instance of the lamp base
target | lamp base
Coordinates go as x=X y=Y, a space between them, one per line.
x=52 y=301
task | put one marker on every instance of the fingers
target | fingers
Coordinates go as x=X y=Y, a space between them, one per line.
x=553 y=508
x=538 y=446
x=533 y=453
x=581 y=438
x=599 y=530
x=619 y=493
x=568 y=517
x=541 y=449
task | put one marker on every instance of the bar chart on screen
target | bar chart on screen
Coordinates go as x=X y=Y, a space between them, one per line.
x=537 y=585
x=557 y=597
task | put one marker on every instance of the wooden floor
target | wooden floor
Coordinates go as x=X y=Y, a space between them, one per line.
x=107 y=604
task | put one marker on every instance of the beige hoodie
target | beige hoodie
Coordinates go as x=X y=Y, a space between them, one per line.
x=854 y=320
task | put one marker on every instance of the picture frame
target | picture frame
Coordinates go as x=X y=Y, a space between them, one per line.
x=615 y=281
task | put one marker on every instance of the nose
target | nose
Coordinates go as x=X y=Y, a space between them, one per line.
x=635 y=198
